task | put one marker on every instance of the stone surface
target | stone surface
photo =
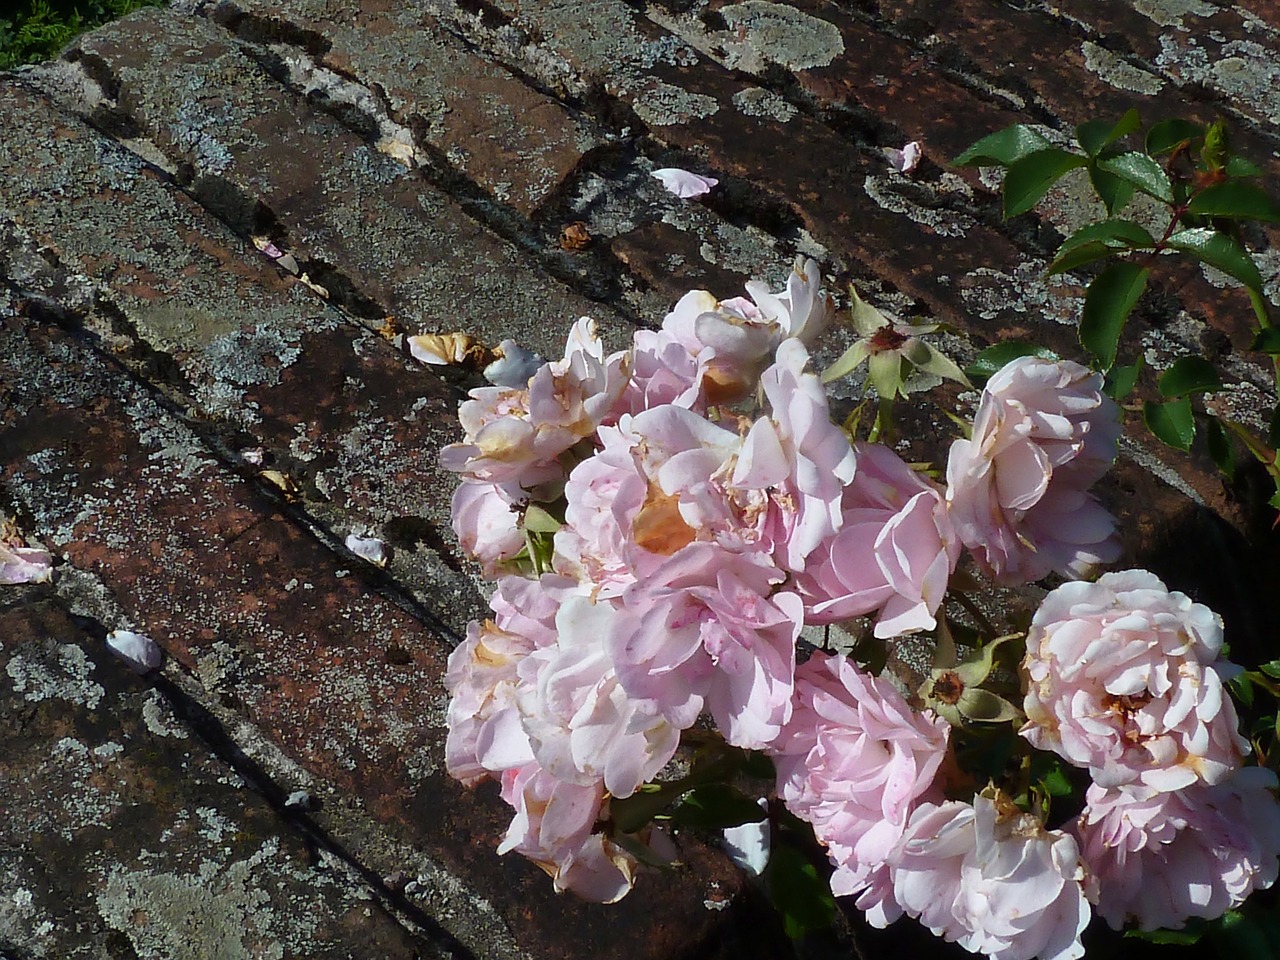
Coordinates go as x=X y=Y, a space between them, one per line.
x=195 y=427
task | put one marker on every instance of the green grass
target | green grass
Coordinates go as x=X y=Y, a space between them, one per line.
x=39 y=29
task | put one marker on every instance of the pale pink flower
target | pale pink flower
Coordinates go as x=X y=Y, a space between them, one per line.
x=707 y=629
x=1157 y=859
x=799 y=455
x=1125 y=679
x=485 y=734
x=854 y=760
x=894 y=552
x=515 y=435
x=1043 y=434
x=663 y=371
x=486 y=524
x=684 y=184
x=581 y=723
x=552 y=827
x=993 y=880
x=733 y=340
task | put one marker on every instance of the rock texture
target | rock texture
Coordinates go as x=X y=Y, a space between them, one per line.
x=194 y=427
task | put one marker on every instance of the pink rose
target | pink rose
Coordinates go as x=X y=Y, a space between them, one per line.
x=486 y=525
x=552 y=827
x=707 y=629
x=581 y=723
x=1044 y=433
x=894 y=552
x=485 y=733
x=992 y=879
x=1125 y=679
x=854 y=760
x=1158 y=859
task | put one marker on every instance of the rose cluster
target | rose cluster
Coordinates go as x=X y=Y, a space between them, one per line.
x=664 y=520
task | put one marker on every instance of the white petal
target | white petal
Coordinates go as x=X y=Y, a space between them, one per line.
x=683 y=183
x=906 y=159
x=370 y=548
x=139 y=652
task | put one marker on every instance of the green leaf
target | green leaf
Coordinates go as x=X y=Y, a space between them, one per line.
x=1121 y=380
x=1164 y=136
x=1141 y=171
x=1238 y=201
x=799 y=894
x=1186 y=937
x=1094 y=135
x=1240 y=167
x=1107 y=303
x=1189 y=375
x=1171 y=422
x=1242 y=686
x=990 y=360
x=1218 y=250
x=716 y=806
x=1271 y=669
x=1096 y=240
x=1002 y=148
x=1221 y=449
x=1273 y=429
x=1031 y=177
x=1267 y=340
x=1114 y=192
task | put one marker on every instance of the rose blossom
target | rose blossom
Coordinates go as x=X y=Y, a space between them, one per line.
x=552 y=827
x=514 y=435
x=992 y=879
x=581 y=723
x=485 y=734
x=1124 y=679
x=854 y=760
x=894 y=552
x=1158 y=859
x=707 y=629
x=1043 y=434
x=486 y=524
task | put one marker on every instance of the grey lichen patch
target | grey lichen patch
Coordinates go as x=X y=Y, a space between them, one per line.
x=758 y=102
x=60 y=672
x=1024 y=294
x=1118 y=72
x=785 y=35
x=180 y=916
x=899 y=194
x=1242 y=70
x=662 y=104
x=1169 y=13
x=159 y=718
x=253 y=357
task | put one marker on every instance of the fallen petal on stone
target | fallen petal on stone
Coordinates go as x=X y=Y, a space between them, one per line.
x=514 y=366
x=369 y=548
x=906 y=159
x=25 y=565
x=140 y=653
x=684 y=184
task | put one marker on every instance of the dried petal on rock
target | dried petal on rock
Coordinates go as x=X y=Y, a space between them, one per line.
x=141 y=654
x=906 y=159
x=449 y=349
x=313 y=286
x=684 y=184
x=512 y=366
x=575 y=236
x=284 y=482
x=369 y=548
x=256 y=456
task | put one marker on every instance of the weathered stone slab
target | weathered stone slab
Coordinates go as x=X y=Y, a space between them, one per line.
x=516 y=143
x=154 y=847
x=359 y=220
x=344 y=680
